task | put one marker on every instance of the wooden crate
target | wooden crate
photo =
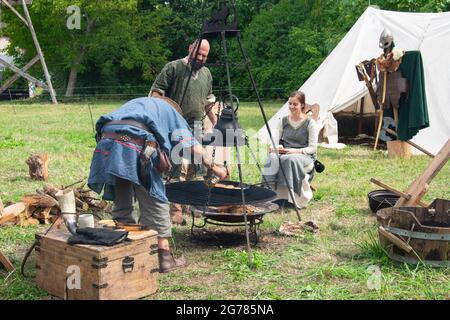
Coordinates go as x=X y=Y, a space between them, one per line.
x=125 y=271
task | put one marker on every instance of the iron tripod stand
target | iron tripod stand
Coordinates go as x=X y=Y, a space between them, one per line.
x=253 y=225
x=212 y=29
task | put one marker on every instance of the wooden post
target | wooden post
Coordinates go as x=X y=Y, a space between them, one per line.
x=39 y=52
x=1 y=207
x=361 y=114
x=418 y=188
x=23 y=74
x=6 y=263
x=17 y=75
x=40 y=56
x=11 y=6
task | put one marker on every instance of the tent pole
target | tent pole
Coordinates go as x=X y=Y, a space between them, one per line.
x=361 y=113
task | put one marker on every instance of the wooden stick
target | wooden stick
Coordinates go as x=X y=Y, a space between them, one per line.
x=72 y=184
x=23 y=74
x=15 y=11
x=411 y=143
x=395 y=240
x=6 y=263
x=399 y=193
x=380 y=122
x=395 y=111
x=385 y=186
x=361 y=115
x=40 y=54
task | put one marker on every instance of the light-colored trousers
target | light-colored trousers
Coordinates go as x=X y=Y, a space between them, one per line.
x=154 y=214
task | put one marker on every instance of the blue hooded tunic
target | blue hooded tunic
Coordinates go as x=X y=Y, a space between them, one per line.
x=115 y=158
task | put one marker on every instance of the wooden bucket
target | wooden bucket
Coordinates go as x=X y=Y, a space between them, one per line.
x=415 y=234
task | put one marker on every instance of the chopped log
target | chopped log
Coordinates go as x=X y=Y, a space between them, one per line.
x=399 y=148
x=28 y=211
x=53 y=218
x=40 y=200
x=81 y=205
x=11 y=212
x=38 y=166
x=55 y=211
x=96 y=203
x=46 y=215
x=42 y=214
x=51 y=190
x=24 y=221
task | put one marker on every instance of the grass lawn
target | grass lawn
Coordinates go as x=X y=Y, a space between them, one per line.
x=336 y=263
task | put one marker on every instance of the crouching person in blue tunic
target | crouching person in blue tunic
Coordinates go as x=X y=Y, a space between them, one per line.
x=126 y=164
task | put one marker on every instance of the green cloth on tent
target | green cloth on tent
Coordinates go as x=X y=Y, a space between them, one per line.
x=413 y=112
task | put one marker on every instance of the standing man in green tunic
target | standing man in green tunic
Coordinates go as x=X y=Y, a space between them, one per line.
x=198 y=100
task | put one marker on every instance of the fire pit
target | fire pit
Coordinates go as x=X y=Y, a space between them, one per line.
x=196 y=193
x=232 y=216
x=223 y=206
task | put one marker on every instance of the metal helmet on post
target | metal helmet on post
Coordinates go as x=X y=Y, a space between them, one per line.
x=386 y=40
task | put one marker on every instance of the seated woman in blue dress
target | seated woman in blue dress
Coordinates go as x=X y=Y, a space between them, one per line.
x=297 y=135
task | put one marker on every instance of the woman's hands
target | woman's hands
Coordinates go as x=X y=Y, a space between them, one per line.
x=282 y=150
x=291 y=151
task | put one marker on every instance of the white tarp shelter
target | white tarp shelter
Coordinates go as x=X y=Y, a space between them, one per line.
x=335 y=86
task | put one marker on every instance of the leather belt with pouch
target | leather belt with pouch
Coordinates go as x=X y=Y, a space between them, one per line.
x=130 y=123
x=123 y=138
x=164 y=164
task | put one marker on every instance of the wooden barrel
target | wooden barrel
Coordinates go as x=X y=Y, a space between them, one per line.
x=415 y=234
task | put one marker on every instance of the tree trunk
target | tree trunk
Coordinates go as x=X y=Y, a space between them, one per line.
x=74 y=71
x=72 y=82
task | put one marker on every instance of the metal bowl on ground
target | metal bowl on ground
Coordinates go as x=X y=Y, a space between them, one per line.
x=380 y=199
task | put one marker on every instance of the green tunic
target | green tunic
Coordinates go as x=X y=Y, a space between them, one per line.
x=172 y=82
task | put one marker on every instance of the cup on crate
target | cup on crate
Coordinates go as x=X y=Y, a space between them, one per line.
x=86 y=221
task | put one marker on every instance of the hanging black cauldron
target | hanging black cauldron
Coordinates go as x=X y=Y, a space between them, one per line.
x=227 y=132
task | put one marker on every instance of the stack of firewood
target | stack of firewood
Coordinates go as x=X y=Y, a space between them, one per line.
x=43 y=207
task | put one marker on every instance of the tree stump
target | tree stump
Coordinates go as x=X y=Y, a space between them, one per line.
x=399 y=148
x=38 y=166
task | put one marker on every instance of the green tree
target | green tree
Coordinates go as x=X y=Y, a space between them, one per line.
x=118 y=43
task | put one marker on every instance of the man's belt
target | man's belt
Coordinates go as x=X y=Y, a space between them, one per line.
x=123 y=138
x=129 y=123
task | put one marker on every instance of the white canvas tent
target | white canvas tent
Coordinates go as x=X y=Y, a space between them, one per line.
x=335 y=86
